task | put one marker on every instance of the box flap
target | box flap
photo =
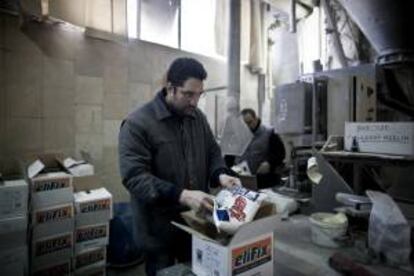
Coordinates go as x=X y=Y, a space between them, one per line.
x=92 y=195
x=86 y=183
x=36 y=163
x=78 y=167
x=70 y=162
x=207 y=230
x=35 y=168
x=191 y=231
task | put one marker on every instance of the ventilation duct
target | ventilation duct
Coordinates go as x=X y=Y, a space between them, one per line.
x=387 y=25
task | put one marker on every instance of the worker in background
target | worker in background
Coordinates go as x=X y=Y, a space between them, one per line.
x=168 y=161
x=265 y=153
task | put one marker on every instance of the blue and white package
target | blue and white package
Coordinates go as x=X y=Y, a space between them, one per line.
x=235 y=207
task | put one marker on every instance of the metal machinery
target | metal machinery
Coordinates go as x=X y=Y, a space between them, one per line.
x=309 y=111
x=317 y=107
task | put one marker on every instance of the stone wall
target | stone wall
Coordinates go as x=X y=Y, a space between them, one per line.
x=61 y=90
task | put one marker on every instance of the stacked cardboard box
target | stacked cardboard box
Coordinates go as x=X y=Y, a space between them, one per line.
x=13 y=226
x=93 y=212
x=69 y=231
x=52 y=217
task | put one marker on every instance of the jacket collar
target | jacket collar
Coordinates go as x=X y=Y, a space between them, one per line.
x=161 y=108
x=259 y=125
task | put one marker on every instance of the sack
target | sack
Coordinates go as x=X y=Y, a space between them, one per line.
x=389 y=233
x=235 y=207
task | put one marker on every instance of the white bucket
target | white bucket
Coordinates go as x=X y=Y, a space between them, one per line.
x=326 y=227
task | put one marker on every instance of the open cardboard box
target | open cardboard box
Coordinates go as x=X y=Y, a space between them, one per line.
x=93 y=207
x=248 y=252
x=57 y=162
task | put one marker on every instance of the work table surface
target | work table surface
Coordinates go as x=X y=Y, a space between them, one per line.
x=295 y=254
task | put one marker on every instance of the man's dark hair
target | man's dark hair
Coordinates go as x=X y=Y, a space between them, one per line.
x=184 y=68
x=250 y=111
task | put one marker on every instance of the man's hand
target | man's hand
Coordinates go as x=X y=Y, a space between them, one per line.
x=264 y=168
x=228 y=181
x=197 y=200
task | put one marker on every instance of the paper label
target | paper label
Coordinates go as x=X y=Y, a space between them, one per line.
x=51 y=184
x=53 y=245
x=56 y=270
x=252 y=255
x=90 y=257
x=91 y=233
x=95 y=206
x=53 y=215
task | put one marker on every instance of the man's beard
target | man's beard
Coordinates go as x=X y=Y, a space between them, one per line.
x=182 y=111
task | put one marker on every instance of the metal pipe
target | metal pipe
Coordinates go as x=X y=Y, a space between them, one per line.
x=233 y=92
x=179 y=23
x=314 y=111
x=292 y=26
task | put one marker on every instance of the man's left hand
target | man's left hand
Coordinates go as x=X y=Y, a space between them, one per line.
x=228 y=181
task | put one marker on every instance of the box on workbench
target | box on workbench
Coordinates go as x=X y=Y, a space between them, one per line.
x=248 y=252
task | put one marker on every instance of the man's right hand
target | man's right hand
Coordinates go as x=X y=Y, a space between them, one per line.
x=197 y=200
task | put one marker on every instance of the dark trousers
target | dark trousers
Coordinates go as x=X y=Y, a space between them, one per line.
x=179 y=251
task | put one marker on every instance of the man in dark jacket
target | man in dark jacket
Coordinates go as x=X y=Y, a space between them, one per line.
x=168 y=160
x=264 y=154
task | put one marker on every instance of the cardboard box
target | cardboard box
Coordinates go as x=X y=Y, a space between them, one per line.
x=93 y=207
x=52 y=250
x=62 y=268
x=53 y=220
x=14 y=261
x=13 y=198
x=13 y=232
x=50 y=183
x=248 y=252
x=86 y=183
x=380 y=137
x=51 y=189
x=78 y=167
x=87 y=237
x=81 y=181
x=94 y=257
